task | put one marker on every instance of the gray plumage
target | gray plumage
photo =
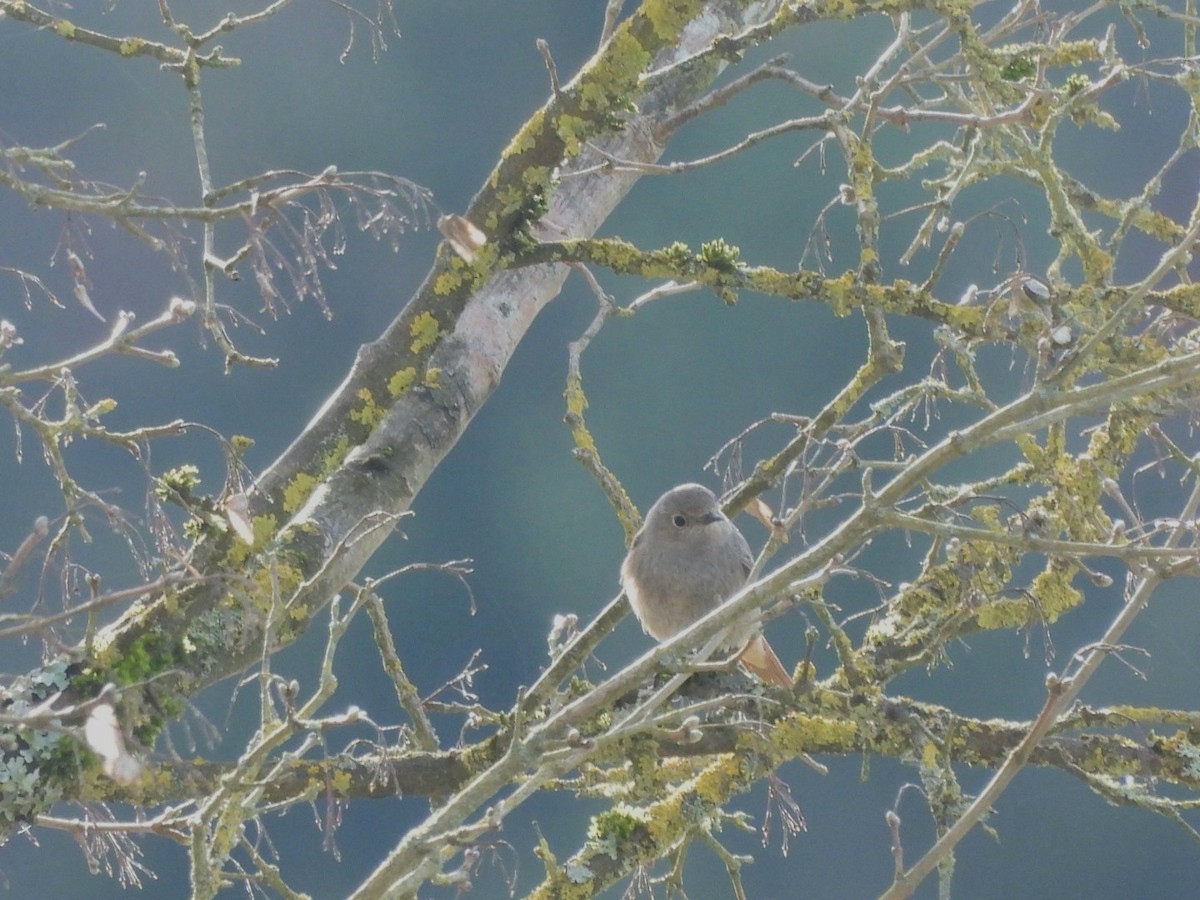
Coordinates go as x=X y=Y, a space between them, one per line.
x=686 y=560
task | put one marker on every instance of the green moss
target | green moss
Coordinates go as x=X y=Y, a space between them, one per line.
x=147 y=731
x=538 y=178
x=88 y=683
x=511 y=198
x=60 y=760
x=533 y=206
x=172 y=707
x=617 y=825
x=147 y=656
x=1018 y=68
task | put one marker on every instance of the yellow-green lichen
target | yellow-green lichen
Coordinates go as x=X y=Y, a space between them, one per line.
x=1053 y=595
x=607 y=84
x=335 y=454
x=1076 y=83
x=802 y=733
x=298 y=490
x=239 y=444
x=341 y=782
x=576 y=404
x=277 y=581
x=645 y=768
x=719 y=255
x=100 y=408
x=511 y=198
x=130 y=46
x=571 y=129
x=432 y=377
x=452 y=279
x=839 y=294
x=300 y=487
x=264 y=528
x=64 y=28
x=526 y=138
x=370 y=413
x=668 y=17
x=576 y=399
x=713 y=786
x=402 y=381
x=424 y=330
x=931 y=756
x=537 y=176
x=181 y=481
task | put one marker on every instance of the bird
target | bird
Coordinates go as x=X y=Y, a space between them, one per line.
x=684 y=562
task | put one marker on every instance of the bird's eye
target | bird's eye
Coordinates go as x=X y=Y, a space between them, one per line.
x=679 y=521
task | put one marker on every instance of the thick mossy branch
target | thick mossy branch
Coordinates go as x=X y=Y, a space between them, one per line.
x=823 y=722
x=728 y=759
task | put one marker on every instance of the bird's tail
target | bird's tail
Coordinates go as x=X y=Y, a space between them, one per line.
x=760 y=660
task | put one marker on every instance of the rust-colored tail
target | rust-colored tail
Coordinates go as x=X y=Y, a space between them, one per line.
x=760 y=660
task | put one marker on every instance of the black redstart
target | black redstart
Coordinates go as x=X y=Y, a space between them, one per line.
x=685 y=561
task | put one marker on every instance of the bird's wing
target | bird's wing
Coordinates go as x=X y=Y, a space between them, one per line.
x=760 y=660
x=747 y=557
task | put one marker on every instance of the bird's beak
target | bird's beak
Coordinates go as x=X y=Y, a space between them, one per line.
x=711 y=517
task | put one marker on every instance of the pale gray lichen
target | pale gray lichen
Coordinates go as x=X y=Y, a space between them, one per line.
x=24 y=792
x=577 y=873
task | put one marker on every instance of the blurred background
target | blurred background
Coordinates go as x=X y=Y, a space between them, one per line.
x=667 y=388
